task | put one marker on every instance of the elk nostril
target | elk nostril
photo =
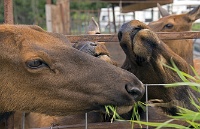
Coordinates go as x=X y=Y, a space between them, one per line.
x=134 y=91
x=119 y=35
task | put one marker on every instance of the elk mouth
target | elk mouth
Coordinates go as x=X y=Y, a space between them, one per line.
x=99 y=55
x=118 y=109
x=140 y=60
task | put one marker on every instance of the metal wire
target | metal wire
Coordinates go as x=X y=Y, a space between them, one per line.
x=86 y=121
x=23 y=120
x=147 y=112
x=158 y=84
x=86 y=117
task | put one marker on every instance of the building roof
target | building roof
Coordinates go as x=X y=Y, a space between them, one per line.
x=137 y=5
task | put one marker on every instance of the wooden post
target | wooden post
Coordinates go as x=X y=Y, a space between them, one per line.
x=109 y=24
x=67 y=13
x=62 y=16
x=48 y=15
x=8 y=11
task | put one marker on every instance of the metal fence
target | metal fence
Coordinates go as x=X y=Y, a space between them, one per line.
x=109 y=125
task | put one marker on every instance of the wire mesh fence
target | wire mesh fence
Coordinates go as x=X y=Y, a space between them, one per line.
x=106 y=125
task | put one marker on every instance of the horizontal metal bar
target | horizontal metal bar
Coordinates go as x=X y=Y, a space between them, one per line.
x=96 y=37
x=179 y=35
x=113 y=37
x=159 y=84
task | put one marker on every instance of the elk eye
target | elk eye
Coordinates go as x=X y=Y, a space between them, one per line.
x=36 y=63
x=169 y=26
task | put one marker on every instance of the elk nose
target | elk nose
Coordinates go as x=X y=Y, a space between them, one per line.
x=136 y=90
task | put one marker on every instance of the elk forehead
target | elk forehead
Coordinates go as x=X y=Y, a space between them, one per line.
x=129 y=26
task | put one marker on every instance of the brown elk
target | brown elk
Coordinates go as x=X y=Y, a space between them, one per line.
x=37 y=120
x=41 y=72
x=146 y=55
x=177 y=23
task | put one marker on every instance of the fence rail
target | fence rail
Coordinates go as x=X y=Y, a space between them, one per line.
x=113 y=37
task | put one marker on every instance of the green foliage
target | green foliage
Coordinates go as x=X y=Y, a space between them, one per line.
x=187 y=79
x=33 y=11
x=29 y=12
x=81 y=13
x=196 y=27
x=26 y=12
x=110 y=110
x=86 y=5
x=1 y=12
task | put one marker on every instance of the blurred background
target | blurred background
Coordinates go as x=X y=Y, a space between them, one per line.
x=71 y=17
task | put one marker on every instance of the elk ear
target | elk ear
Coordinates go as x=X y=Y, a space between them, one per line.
x=35 y=27
x=93 y=27
x=194 y=14
x=163 y=11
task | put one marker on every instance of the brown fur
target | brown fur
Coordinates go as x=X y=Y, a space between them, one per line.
x=145 y=56
x=41 y=120
x=197 y=65
x=177 y=23
x=58 y=83
x=36 y=120
x=95 y=49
